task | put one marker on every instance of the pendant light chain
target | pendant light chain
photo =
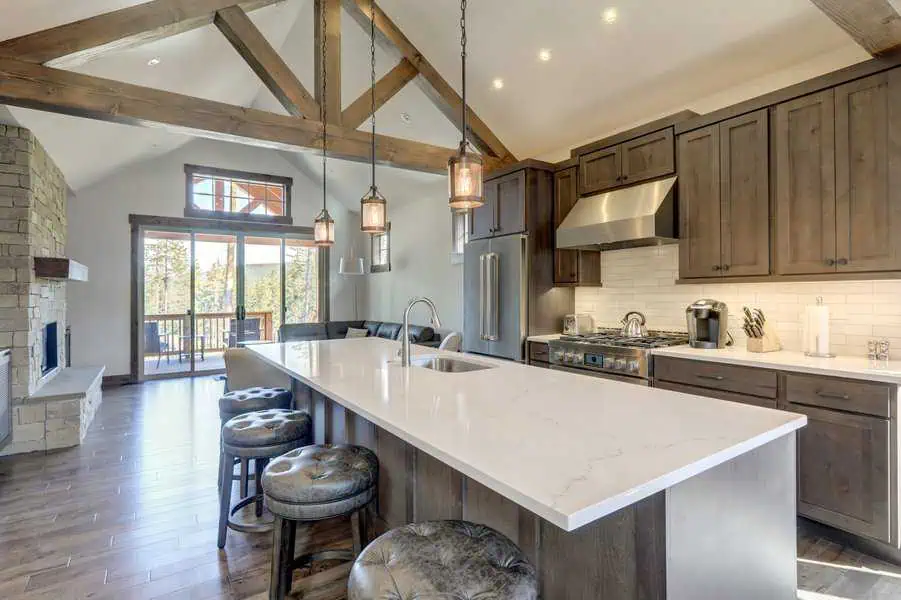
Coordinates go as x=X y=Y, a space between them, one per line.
x=463 y=56
x=372 y=81
x=323 y=104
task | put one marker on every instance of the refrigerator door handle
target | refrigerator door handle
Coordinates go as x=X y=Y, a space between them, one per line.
x=482 y=297
x=492 y=293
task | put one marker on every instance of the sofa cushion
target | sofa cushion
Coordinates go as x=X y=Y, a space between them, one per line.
x=353 y=332
x=388 y=331
x=372 y=326
x=419 y=333
x=338 y=329
x=300 y=332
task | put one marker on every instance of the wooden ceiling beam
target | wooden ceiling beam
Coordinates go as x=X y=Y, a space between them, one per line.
x=265 y=61
x=332 y=40
x=385 y=88
x=435 y=86
x=77 y=42
x=874 y=24
x=38 y=87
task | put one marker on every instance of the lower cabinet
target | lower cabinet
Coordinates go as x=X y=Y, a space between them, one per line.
x=539 y=354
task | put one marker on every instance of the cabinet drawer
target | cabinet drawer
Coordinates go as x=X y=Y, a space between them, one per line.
x=851 y=396
x=718 y=394
x=538 y=351
x=717 y=376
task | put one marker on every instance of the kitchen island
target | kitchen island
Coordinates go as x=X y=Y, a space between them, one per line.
x=614 y=491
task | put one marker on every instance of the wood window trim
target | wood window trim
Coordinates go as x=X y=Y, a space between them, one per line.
x=192 y=212
x=384 y=267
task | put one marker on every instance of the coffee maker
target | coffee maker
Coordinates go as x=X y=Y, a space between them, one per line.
x=708 y=324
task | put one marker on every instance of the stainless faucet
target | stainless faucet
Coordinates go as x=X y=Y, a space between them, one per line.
x=404 y=352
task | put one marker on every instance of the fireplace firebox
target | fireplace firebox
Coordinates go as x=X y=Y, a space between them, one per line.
x=50 y=358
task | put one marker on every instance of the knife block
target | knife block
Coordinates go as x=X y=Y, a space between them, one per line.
x=768 y=343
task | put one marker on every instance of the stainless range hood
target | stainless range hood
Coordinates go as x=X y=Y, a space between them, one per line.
x=641 y=215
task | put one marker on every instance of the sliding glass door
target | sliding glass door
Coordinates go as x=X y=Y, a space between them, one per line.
x=207 y=291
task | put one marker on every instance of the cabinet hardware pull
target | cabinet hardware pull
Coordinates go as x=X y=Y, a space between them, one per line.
x=833 y=396
x=830 y=262
x=625 y=177
x=713 y=377
x=842 y=261
x=717 y=267
x=725 y=267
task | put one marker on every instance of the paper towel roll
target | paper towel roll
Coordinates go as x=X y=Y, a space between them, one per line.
x=816 y=334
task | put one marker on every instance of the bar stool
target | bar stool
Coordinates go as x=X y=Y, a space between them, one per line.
x=258 y=436
x=443 y=559
x=312 y=484
x=239 y=402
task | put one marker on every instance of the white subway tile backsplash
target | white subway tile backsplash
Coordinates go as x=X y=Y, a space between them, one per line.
x=644 y=279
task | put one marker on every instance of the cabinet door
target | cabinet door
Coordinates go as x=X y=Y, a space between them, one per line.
x=511 y=204
x=647 y=157
x=843 y=471
x=699 y=203
x=599 y=170
x=745 y=195
x=482 y=221
x=589 y=267
x=566 y=194
x=805 y=185
x=867 y=156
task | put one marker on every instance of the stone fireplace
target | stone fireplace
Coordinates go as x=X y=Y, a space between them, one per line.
x=33 y=197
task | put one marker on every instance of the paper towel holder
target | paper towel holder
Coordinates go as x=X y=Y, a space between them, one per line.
x=817 y=354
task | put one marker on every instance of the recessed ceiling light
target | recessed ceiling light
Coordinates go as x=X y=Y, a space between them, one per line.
x=153 y=62
x=498 y=83
x=406 y=118
x=610 y=15
x=544 y=55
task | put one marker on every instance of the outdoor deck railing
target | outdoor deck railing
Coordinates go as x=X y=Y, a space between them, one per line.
x=214 y=327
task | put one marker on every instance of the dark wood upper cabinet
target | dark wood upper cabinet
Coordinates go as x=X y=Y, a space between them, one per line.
x=805 y=184
x=745 y=195
x=600 y=170
x=482 y=223
x=572 y=267
x=699 y=203
x=648 y=157
x=511 y=203
x=868 y=174
x=843 y=471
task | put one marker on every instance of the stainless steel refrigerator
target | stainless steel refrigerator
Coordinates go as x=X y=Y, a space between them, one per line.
x=495 y=296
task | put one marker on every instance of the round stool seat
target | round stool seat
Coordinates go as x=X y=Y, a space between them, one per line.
x=320 y=482
x=256 y=398
x=443 y=559
x=267 y=428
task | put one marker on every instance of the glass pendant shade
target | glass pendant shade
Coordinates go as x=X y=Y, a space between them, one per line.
x=373 y=212
x=464 y=175
x=324 y=229
x=351 y=266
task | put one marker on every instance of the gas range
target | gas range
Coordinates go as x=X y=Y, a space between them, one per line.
x=608 y=353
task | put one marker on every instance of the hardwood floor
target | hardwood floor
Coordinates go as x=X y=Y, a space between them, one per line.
x=131 y=514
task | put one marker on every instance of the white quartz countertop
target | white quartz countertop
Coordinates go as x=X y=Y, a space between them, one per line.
x=851 y=367
x=568 y=447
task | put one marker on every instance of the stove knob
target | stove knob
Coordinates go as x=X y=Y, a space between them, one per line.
x=621 y=364
x=569 y=356
x=633 y=366
x=559 y=355
x=578 y=358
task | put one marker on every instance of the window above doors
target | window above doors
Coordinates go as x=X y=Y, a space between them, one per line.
x=215 y=193
x=380 y=251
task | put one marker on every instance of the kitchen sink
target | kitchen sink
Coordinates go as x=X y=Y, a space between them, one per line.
x=447 y=365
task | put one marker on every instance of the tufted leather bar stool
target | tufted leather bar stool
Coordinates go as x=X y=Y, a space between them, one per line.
x=259 y=436
x=312 y=484
x=442 y=559
x=238 y=402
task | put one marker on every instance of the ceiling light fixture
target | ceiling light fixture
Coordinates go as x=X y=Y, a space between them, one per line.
x=544 y=55
x=498 y=83
x=153 y=62
x=406 y=118
x=373 y=206
x=324 y=225
x=464 y=169
x=610 y=15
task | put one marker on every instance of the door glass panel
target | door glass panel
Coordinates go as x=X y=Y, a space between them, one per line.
x=167 y=300
x=301 y=281
x=215 y=300
x=262 y=289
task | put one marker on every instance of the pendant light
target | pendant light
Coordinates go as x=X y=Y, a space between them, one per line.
x=373 y=206
x=324 y=225
x=464 y=169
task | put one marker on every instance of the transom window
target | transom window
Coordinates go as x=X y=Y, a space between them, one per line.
x=221 y=193
x=381 y=251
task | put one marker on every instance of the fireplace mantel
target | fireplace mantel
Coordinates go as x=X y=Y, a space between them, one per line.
x=60 y=268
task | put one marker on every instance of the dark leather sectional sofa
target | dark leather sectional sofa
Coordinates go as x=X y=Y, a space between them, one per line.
x=331 y=330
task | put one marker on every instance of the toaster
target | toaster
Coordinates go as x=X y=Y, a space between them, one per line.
x=578 y=324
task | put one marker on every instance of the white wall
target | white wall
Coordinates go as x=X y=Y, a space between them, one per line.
x=99 y=236
x=420 y=262
x=643 y=279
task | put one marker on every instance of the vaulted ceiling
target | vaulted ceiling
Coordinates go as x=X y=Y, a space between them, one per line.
x=657 y=57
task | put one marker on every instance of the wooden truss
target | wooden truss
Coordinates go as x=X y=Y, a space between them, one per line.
x=874 y=24
x=31 y=77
